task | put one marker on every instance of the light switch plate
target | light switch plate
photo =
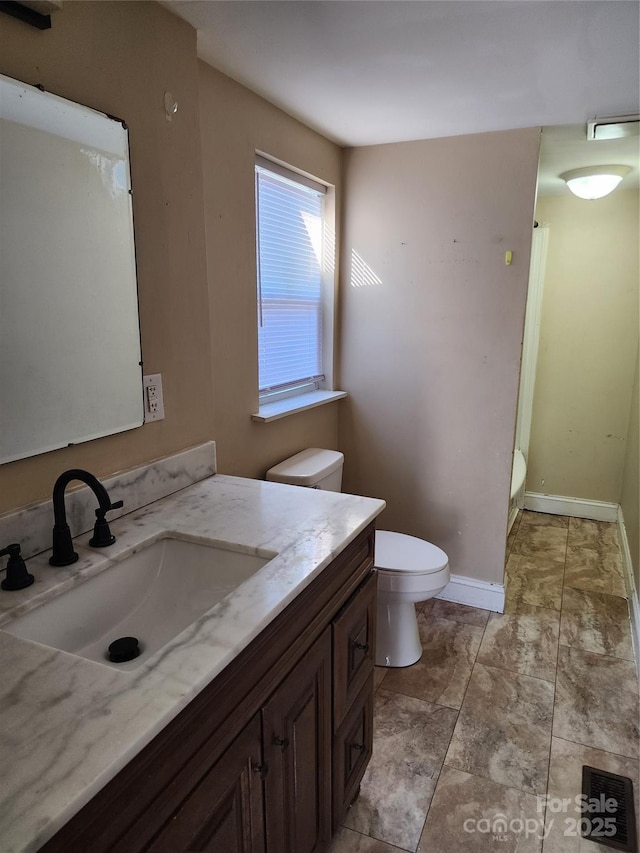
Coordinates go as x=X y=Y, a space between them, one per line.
x=153 y=398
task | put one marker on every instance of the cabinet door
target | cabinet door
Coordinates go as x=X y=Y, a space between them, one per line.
x=297 y=747
x=354 y=638
x=225 y=812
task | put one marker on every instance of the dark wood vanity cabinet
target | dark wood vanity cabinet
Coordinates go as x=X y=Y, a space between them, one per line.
x=270 y=755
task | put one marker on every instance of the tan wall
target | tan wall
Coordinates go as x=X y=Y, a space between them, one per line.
x=235 y=124
x=630 y=498
x=431 y=354
x=588 y=345
x=120 y=58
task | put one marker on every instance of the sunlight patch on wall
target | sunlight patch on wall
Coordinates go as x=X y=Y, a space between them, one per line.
x=361 y=273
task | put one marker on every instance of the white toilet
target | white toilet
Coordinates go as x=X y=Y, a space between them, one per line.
x=409 y=569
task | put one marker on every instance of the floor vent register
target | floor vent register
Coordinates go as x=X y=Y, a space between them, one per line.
x=609 y=818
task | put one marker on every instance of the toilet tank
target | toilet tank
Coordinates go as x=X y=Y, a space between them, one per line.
x=314 y=468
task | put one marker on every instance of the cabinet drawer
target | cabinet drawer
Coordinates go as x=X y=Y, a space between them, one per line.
x=352 y=751
x=354 y=635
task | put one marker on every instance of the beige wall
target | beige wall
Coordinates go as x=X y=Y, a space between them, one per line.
x=630 y=497
x=588 y=345
x=235 y=124
x=120 y=58
x=431 y=354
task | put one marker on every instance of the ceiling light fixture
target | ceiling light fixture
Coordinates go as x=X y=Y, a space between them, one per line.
x=594 y=181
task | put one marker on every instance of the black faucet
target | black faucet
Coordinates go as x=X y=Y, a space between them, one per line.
x=63 y=553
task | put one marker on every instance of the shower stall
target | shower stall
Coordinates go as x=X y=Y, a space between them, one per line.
x=530 y=341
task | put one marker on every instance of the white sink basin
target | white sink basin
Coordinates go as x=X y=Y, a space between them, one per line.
x=152 y=595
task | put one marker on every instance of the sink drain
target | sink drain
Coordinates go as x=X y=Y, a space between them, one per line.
x=124 y=649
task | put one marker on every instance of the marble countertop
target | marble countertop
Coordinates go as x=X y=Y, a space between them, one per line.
x=68 y=725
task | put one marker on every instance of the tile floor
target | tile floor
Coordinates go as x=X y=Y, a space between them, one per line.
x=504 y=708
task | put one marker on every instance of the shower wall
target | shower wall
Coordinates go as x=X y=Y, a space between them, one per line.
x=630 y=497
x=588 y=346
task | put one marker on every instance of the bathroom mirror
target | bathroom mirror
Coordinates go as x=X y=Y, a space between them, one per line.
x=70 y=359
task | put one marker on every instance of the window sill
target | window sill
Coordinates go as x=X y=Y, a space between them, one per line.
x=290 y=405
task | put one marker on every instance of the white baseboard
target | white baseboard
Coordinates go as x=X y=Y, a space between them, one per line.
x=632 y=592
x=463 y=590
x=574 y=507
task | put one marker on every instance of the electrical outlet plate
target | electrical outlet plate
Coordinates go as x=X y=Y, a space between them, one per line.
x=153 y=399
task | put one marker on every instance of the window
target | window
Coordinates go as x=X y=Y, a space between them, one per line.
x=290 y=252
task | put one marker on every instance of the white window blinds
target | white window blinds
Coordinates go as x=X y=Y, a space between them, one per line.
x=290 y=259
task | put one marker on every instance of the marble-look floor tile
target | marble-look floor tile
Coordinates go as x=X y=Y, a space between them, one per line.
x=535 y=582
x=597 y=701
x=535 y=541
x=442 y=673
x=410 y=740
x=348 y=841
x=440 y=609
x=544 y=519
x=594 y=571
x=596 y=622
x=504 y=729
x=471 y=815
x=565 y=783
x=525 y=642
x=601 y=536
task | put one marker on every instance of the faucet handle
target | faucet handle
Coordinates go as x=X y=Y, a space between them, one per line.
x=102 y=536
x=17 y=575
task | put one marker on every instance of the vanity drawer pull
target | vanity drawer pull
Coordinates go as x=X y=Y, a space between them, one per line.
x=361 y=647
x=281 y=741
x=358 y=746
x=262 y=769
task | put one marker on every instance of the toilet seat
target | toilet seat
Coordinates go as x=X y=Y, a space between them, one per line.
x=398 y=552
x=409 y=570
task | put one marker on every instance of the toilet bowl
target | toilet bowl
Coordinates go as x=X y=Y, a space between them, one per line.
x=409 y=569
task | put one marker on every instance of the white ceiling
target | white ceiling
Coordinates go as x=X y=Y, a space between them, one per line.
x=365 y=72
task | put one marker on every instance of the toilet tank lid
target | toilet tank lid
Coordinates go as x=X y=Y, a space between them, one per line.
x=307 y=467
x=407 y=553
